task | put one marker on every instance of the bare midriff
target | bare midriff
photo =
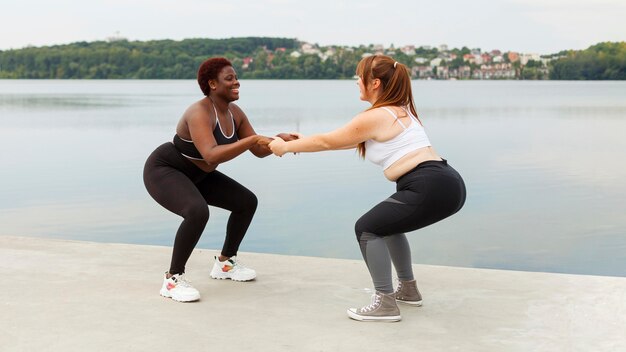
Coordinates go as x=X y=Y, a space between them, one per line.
x=409 y=162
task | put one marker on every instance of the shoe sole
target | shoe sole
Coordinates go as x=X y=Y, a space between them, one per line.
x=388 y=319
x=168 y=295
x=230 y=278
x=226 y=277
x=411 y=303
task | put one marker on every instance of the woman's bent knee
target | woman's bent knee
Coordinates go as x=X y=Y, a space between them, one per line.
x=197 y=213
x=248 y=203
x=253 y=202
x=360 y=227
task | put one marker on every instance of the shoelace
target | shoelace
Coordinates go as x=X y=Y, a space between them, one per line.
x=181 y=280
x=237 y=264
x=399 y=289
x=398 y=283
x=375 y=303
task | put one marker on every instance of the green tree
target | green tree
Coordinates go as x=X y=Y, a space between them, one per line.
x=603 y=61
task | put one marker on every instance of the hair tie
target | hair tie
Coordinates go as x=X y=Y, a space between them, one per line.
x=395 y=64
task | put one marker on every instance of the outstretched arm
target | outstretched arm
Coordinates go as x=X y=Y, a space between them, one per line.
x=262 y=148
x=245 y=130
x=360 y=128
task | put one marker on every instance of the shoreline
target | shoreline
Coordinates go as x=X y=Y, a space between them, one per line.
x=358 y=259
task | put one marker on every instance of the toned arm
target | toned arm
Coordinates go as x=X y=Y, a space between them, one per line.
x=200 y=127
x=361 y=128
x=245 y=130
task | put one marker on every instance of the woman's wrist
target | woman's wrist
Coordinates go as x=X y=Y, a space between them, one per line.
x=286 y=147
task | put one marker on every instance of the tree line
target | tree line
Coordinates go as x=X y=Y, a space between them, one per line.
x=603 y=61
x=122 y=59
x=258 y=58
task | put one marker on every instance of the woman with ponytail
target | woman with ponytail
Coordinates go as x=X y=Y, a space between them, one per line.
x=428 y=189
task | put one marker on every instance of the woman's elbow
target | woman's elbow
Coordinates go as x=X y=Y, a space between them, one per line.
x=261 y=155
x=260 y=152
x=329 y=145
x=212 y=159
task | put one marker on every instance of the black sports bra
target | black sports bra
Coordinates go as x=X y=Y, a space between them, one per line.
x=189 y=150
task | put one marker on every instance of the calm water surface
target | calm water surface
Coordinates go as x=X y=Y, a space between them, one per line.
x=543 y=163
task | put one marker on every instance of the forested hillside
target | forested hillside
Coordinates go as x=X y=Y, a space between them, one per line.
x=285 y=58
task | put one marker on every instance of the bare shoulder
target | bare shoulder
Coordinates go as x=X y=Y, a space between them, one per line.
x=234 y=107
x=238 y=113
x=198 y=110
x=196 y=116
x=236 y=110
x=369 y=116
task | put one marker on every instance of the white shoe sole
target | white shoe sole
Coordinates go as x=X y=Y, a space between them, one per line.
x=390 y=318
x=411 y=303
x=224 y=276
x=167 y=294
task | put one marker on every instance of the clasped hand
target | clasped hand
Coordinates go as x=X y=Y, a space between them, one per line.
x=278 y=144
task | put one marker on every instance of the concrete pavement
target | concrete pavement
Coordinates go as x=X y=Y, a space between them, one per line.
x=62 y=295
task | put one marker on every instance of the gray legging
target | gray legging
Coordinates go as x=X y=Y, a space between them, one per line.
x=427 y=194
x=182 y=188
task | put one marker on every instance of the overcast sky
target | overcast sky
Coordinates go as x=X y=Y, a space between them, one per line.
x=529 y=26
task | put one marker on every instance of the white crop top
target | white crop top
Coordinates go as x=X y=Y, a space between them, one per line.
x=386 y=153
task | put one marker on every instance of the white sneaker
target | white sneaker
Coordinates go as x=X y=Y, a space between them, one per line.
x=179 y=289
x=232 y=269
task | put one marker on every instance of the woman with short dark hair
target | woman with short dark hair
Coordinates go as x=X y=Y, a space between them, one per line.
x=181 y=176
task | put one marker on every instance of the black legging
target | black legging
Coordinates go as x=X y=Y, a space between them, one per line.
x=184 y=189
x=427 y=194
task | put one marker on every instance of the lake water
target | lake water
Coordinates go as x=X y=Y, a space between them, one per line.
x=544 y=164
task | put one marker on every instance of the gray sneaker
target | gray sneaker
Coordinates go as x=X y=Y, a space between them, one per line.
x=408 y=293
x=382 y=308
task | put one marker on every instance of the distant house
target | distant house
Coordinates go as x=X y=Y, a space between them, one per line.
x=524 y=58
x=496 y=71
x=463 y=72
x=469 y=58
x=378 y=48
x=330 y=51
x=478 y=59
x=408 y=50
x=422 y=72
x=246 y=62
x=435 y=62
x=442 y=72
x=309 y=49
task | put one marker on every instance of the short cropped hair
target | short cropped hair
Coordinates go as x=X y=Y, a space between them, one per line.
x=208 y=70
